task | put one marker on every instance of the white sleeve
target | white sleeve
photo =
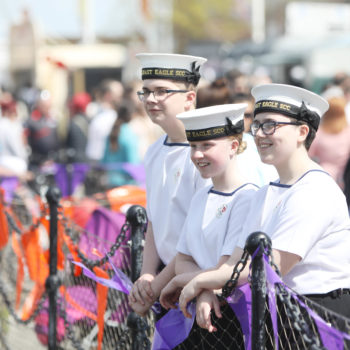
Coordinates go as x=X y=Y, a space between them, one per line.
x=237 y=218
x=181 y=246
x=252 y=216
x=148 y=164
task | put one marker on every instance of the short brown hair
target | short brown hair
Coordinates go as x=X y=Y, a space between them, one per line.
x=310 y=136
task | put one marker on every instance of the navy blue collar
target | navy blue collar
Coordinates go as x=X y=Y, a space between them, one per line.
x=232 y=193
x=277 y=184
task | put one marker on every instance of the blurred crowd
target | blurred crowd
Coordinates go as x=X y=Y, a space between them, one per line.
x=109 y=126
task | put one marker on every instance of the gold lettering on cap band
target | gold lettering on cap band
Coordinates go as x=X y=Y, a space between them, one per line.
x=165 y=73
x=276 y=106
x=210 y=133
x=290 y=110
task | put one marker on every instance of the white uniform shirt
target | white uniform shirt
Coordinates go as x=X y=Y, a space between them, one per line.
x=171 y=181
x=214 y=224
x=13 y=154
x=309 y=219
x=98 y=132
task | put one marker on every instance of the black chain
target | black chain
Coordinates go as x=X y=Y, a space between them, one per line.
x=123 y=339
x=231 y=284
x=118 y=242
x=92 y=263
x=7 y=301
x=272 y=262
x=12 y=224
x=143 y=328
x=68 y=326
x=294 y=313
x=293 y=310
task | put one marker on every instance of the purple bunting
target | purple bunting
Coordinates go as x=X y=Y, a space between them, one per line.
x=120 y=277
x=67 y=181
x=240 y=302
x=173 y=328
x=9 y=184
x=272 y=278
x=137 y=172
x=119 y=282
x=331 y=337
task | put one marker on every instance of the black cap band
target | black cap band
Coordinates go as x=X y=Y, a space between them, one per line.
x=215 y=132
x=300 y=113
x=173 y=74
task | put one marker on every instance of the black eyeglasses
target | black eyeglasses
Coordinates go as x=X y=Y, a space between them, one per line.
x=158 y=94
x=268 y=127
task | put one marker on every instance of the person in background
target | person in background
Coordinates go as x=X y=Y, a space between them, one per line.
x=146 y=132
x=237 y=82
x=41 y=132
x=331 y=147
x=13 y=150
x=110 y=94
x=215 y=93
x=121 y=147
x=346 y=89
x=28 y=93
x=249 y=112
x=76 y=139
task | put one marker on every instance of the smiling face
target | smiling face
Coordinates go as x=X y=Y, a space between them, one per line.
x=164 y=112
x=211 y=157
x=278 y=148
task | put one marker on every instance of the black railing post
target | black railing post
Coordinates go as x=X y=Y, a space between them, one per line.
x=137 y=218
x=69 y=172
x=53 y=281
x=258 y=285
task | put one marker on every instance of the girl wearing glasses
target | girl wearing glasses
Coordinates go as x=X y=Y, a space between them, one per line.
x=304 y=213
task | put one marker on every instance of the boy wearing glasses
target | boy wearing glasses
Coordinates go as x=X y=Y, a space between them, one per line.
x=169 y=88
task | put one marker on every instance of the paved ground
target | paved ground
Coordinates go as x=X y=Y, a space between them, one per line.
x=22 y=337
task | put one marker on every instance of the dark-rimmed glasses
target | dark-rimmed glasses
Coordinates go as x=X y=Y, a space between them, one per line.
x=158 y=94
x=268 y=127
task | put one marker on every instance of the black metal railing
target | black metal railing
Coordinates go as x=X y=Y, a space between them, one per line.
x=297 y=327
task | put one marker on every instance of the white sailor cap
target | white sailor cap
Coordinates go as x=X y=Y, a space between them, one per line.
x=291 y=101
x=214 y=121
x=171 y=66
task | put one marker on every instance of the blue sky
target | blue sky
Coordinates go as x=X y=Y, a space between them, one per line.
x=61 y=18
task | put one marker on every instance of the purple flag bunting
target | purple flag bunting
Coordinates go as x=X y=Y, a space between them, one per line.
x=173 y=328
x=331 y=337
x=119 y=281
x=240 y=302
